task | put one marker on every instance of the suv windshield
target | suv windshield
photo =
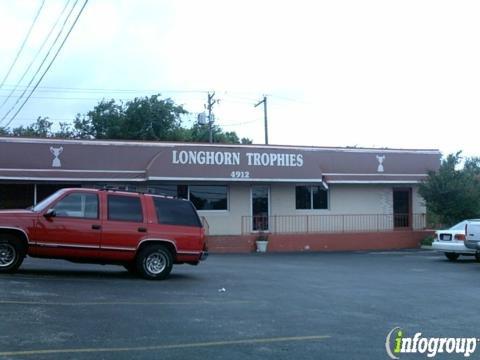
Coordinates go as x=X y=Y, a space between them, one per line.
x=45 y=202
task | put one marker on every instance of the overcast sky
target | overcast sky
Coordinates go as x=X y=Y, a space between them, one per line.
x=398 y=74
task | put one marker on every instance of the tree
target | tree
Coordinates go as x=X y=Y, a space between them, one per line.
x=4 y=132
x=453 y=193
x=41 y=128
x=147 y=118
x=201 y=133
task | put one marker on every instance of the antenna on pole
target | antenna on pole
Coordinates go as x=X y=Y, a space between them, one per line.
x=264 y=102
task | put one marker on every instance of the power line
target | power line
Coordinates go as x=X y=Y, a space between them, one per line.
x=51 y=62
x=36 y=55
x=239 y=123
x=64 y=98
x=23 y=43
x=44 y=59
x=88 y=90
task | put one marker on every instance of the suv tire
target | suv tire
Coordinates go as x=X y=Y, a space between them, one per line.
x=12 y=253
x=154 y=262
x=452 y=256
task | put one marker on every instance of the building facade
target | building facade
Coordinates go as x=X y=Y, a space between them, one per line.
x=289 y=192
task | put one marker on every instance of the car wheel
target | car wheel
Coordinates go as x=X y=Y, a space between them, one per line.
x=154 y=262
x=12 y=253
x=452 y=256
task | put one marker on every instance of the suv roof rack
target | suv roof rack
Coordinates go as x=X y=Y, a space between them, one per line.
x=116 y=189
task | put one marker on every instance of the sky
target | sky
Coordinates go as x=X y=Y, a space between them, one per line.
x=396 y=74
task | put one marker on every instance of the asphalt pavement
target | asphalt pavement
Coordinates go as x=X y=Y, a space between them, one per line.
x=254 y=306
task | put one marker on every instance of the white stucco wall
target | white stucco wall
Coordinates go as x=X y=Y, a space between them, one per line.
x=229 y=222
x=344 y=200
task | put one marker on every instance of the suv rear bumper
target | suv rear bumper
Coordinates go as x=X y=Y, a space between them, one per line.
x=471 y=244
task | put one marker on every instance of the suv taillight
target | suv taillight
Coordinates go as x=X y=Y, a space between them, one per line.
x=459 y=237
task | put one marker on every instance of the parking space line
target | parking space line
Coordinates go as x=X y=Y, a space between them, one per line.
x=166 y=347
x=109 y=303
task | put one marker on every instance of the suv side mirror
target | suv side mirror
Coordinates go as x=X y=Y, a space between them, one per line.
x=50 y=214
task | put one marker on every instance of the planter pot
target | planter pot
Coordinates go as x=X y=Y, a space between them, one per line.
x=261 y=246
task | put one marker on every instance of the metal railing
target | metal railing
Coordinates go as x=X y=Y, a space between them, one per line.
x=205 y=224
x=295 y=224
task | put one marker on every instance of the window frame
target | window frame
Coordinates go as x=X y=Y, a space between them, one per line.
x=122 y=220
x=212 y=210
x=52 y=206
x=199 y=223
x=310 y=187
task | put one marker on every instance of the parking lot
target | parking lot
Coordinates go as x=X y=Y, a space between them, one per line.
x=273 y=306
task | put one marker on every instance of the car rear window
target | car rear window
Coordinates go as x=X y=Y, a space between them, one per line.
x=176 y=212
x=124 y=208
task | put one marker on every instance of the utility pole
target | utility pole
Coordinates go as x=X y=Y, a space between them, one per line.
x=264 y=102
x=210 y=104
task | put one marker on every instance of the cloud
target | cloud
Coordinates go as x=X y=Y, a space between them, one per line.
x=397 y=74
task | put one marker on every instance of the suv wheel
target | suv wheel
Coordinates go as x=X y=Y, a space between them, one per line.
x=154 y=262
x=12 y=253
x=452 y=256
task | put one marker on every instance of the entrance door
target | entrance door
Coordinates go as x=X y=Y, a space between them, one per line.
x=260 y=207
x=402 y=207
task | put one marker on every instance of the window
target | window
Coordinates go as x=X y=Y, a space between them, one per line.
x=212 y=197
x=16 y=196
x=311 y=197
x=79 y=205
x=125 y=208
x=176 y=212
x=180 y=191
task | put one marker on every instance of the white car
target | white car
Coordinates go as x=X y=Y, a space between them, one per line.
x=452 y=242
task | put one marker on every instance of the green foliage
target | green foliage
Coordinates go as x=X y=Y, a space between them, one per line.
x=427 y=241
x=41 y=128
x=200 y=133
x=453 y=193
x=262 y=236
x=147 y=118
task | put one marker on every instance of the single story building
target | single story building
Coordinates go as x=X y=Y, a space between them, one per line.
x=304 y=198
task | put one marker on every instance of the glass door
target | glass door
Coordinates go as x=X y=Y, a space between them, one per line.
x=260 y=207
x=402 y=208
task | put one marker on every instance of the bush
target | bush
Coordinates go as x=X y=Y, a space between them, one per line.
x=427 y=241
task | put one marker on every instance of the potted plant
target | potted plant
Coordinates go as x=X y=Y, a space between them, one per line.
x=262 y=242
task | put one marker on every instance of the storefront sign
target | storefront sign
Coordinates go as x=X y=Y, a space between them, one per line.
x=234 y=158
x=79 y=160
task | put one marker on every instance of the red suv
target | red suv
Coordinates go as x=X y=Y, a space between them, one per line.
x=145 y=233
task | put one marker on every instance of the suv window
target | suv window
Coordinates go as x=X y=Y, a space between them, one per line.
x=125 y=208
x=176 y=212
x=79 y=205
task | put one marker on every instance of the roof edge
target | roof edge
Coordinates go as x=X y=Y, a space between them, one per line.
x=187 y=144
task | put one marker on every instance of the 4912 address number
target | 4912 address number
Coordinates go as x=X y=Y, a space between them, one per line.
x=240 y=174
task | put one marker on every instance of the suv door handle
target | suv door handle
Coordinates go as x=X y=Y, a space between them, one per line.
x=142 y=229
x=96 y=227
